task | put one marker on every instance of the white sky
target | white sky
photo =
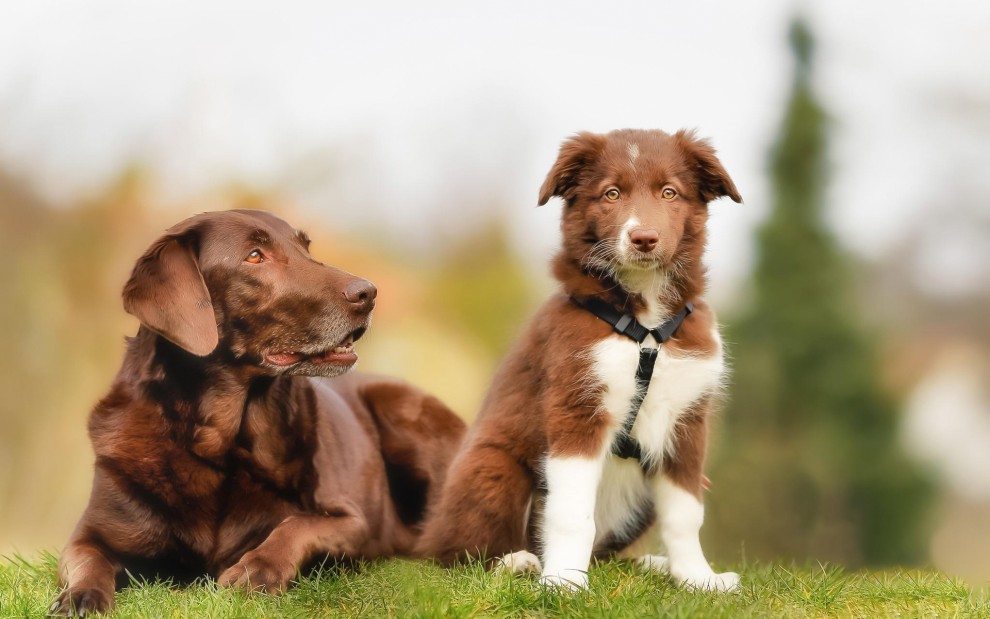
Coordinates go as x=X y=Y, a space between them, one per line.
x=423 y=115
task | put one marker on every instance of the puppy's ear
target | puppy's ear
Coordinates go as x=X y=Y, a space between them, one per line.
x=575 y=153
x=166 y=292
x=713 y=180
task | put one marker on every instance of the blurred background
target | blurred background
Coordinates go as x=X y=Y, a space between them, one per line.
x=410 y=139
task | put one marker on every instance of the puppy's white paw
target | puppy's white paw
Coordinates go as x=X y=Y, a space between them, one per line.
x=571 y=580
x=519 y=562
x=654 y=563
x=723 y=583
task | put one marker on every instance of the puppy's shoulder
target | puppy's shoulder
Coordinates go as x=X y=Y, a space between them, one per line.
x=698 y=334
x=561 y=326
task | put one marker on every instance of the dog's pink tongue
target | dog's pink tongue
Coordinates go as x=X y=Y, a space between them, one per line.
x=284 y=358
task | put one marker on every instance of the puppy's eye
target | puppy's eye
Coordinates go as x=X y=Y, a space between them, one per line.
x=612 y=194
x=668 y=193
x=255 y=257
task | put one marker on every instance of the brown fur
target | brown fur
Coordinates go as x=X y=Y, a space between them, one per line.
x=214 y=458
x=540 y=403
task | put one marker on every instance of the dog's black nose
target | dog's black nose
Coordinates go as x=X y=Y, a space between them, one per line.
x=644 y=240
x=361 y=294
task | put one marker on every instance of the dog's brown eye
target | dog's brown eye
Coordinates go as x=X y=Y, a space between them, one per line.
x=668 y=193
x=612 y=194
x=255 y=257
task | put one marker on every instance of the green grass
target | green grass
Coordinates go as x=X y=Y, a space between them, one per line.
x=400 y=588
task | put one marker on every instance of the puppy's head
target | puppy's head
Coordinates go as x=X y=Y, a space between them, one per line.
x=241 y=285
x=636 y=200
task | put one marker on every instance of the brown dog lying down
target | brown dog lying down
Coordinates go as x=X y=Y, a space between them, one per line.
x=216 y=454
x=591 y=440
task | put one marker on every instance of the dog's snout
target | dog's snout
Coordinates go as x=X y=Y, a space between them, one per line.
x=361 y=294
x=644 y=239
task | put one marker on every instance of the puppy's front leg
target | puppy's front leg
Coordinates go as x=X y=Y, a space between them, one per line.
x=578 y=439
x=680 y=512
x=339 y=532
x=569 y=519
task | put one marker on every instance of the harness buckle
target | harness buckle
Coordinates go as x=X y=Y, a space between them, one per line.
x=623 y=323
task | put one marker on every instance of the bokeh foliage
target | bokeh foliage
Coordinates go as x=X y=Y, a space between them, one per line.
x=809 y=462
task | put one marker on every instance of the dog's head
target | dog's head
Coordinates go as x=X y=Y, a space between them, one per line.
x=636 y=200
x=242 y=285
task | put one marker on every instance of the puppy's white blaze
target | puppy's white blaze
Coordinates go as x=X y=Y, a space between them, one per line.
x=624 y=245
x=633 y=150
x=569 y=519
x=680 y=516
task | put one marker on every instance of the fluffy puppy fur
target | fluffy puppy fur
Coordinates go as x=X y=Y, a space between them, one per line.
x=535 y=482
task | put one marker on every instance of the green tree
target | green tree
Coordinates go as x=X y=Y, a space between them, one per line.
x=809 y=463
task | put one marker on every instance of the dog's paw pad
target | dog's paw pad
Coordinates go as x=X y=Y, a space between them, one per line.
x=520 y=562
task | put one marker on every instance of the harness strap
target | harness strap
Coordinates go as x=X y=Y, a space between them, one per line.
x=627 y=325
x=625 y=446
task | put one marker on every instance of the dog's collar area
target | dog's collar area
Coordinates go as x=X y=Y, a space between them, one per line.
x=627 y=325
x=625 y=446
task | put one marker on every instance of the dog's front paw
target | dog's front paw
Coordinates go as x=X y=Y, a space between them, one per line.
x=81 y=603
x=520 y=562
x=567 y=580
x=257 y=572
x=708 y=581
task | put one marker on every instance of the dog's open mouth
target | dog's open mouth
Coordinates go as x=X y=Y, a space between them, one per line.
x=341 y=354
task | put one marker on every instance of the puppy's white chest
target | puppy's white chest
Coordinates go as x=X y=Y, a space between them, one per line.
x=678 y=381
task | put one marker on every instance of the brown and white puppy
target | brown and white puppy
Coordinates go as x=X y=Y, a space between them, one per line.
x=535 y=473
x=216 y=453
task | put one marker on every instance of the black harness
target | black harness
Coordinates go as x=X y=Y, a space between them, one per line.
x=625 y=446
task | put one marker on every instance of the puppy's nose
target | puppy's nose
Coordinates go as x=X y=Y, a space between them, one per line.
x=361 y=294
x=644 y=239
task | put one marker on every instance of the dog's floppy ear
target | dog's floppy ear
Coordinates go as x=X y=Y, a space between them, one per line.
x=575 y=153
x=166 y=292
x=713 y=180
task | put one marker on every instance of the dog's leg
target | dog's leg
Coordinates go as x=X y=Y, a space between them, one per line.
x=339 y=532
x=569 y=519
x=89 y=577
x=482 y=508
x=680 y=512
